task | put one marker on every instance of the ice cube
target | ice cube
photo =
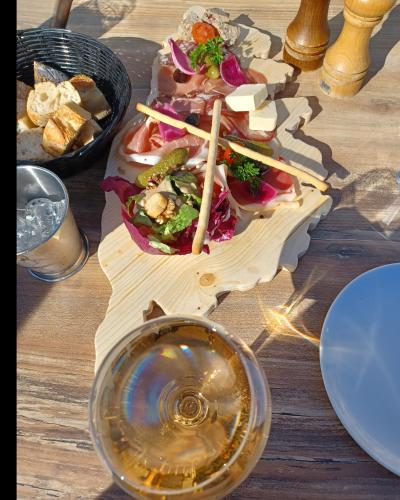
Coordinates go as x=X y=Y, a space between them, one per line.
x=39 y=220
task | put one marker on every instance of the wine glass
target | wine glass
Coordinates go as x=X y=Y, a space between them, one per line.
x=180 y=408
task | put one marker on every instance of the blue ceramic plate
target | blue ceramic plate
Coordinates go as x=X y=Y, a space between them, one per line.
x=360 y=362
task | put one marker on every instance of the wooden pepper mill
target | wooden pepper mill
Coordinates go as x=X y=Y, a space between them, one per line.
x=347 y=60
x=307 y=36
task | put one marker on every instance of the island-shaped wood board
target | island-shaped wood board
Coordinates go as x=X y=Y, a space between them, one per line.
x=190 y=284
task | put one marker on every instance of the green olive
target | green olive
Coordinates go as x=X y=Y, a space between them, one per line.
x=213 y=72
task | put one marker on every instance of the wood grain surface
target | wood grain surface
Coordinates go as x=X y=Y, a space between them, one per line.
x=309 y=454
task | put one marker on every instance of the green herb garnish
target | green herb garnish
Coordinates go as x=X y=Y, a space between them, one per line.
x=212 y=49
x=245 y=169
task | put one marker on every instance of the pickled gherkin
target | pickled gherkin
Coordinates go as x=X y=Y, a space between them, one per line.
x=259 y=146
x=173 y=160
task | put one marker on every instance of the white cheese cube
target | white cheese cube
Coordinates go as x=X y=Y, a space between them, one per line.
x=264 y=118
x=247 y=97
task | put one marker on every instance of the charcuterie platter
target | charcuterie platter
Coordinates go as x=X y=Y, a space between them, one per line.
x=260 y=215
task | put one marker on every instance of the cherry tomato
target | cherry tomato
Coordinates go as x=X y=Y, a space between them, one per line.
x=278 y=179
x=202 y=32
x=227 y=156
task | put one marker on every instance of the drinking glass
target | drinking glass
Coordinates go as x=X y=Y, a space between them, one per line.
x=180 y=408
x=49 y=243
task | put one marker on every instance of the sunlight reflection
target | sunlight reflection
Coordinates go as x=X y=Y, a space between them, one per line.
x=276 y=320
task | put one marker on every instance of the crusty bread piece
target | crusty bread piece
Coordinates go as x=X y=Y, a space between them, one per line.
x=63 y=128
x=83 y=83
x=92 y=98
x=44 y=73
x=42 y=103
x=88 y=132
x=29 y=146
x=67 y=93
x=24 y=123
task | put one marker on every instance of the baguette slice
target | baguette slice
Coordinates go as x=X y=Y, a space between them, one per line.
x=92 y=98
x=67 y=93
x=42 y=103
x=24 y=123
x=29 y=146
x=88 y=132
x=63 y=128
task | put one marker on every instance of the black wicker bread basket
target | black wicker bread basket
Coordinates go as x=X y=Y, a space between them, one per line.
x=76 y=53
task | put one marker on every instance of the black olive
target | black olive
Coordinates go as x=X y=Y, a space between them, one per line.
x=180 y=77
x=193 y=119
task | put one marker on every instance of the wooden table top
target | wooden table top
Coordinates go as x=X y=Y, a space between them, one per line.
x=309 y=454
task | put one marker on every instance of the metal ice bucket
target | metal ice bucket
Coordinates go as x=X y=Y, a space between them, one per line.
x=66 y=249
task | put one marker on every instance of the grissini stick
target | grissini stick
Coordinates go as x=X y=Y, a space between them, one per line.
x=205 y=208
x=254 y=155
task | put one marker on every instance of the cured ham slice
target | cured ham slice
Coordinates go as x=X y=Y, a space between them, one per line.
x=151 y=156
x=168 y=86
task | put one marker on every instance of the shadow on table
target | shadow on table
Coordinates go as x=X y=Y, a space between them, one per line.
x=30 y=294
x=96 y=17
x=276 y=42
x=383 y=42
x=113 y=492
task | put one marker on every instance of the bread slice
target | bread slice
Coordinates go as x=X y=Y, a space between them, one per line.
x=67 y=93
x=88 y=132
x=92 y=98
x=63 y=128
x=42 y=103
x=24 y=123
x=29 y=146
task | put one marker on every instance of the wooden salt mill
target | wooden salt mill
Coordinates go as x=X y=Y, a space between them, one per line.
x=307 y=36
x=347 y=60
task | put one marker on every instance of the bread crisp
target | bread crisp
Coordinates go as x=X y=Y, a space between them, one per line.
x=67 y=93
x=24 y=123
x=88 y=132
x=42 y=103
x=92 y=98
x=63 y=128
x=29 y=146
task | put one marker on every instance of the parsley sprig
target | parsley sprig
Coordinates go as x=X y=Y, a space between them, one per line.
x=212 y=49
x=244 y=169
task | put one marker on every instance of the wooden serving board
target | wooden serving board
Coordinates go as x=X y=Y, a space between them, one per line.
x=190 y=284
